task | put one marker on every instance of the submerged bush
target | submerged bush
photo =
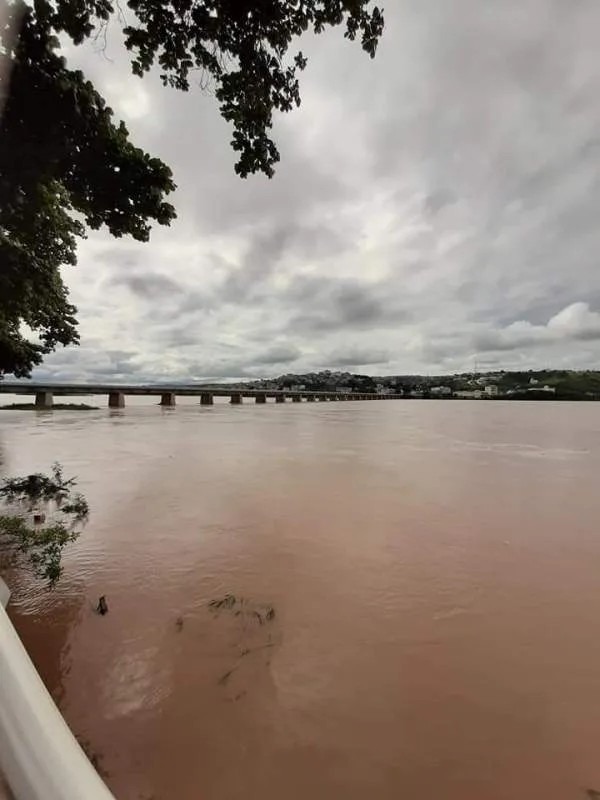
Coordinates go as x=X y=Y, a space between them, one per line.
x=42 y=515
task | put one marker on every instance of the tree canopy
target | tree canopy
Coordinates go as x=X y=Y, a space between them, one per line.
x=66 y=164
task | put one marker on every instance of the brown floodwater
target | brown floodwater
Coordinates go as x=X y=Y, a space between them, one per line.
x=433 y=570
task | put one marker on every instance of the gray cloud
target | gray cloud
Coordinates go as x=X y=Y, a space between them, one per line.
x=574 y=323
x=260 y=261
x=278 y=354
x=119 y=255
x=496 y=341
x=194 y=301
x=89 y=364
x=433 y=208
x=572 y=336
x=271 y=250
x=355 y=357
x=149 y=285
x=183 y=336
x=328 y=305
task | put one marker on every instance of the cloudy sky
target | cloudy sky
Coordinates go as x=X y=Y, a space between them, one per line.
x=436 y=209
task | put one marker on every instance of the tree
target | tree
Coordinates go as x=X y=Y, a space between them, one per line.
x=66 y=164
x=42 y=516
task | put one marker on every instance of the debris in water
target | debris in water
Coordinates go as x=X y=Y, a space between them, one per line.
x=245 y=651
x=96 y=759
x=223 y=603
x=102 y=607
x=225 y=677
x=251 y=617
x=241 y=608
x=592 y=794
x=179 y=624
x=264 y=614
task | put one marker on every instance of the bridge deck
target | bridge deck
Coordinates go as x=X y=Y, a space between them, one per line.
x=78 y=389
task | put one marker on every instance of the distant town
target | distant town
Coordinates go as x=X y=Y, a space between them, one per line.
x=530 y=385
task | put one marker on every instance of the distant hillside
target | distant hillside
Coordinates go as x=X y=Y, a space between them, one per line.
x=532 y=384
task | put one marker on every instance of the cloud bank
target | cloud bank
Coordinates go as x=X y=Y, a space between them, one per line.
x=434 y=210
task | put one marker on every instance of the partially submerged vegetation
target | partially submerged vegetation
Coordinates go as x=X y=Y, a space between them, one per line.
x=42 y=515
x=250 y=615
x=243 y=608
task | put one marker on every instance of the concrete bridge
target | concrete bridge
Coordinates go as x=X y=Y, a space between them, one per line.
x=45 y=393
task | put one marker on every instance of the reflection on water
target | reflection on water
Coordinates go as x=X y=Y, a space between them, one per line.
x=433 y=572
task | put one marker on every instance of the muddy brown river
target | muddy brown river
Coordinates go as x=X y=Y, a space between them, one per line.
x=407 y=598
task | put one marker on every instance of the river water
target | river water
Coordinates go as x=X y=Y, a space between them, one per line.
x=417 y=598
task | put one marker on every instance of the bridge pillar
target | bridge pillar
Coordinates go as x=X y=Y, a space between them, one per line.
x=296 y=398
x=280 y=398
x=323 y=398
x=310 y=398
x=206 y=399
x=167 y=399
x=261 y=398
x=43 y=399
x=236 y=399
x=116 y=400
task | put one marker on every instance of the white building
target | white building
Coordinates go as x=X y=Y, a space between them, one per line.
x=550 y=389
x=491 y=390
x=441 y=391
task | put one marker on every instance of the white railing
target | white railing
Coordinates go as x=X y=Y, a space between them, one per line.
x=39 y=756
